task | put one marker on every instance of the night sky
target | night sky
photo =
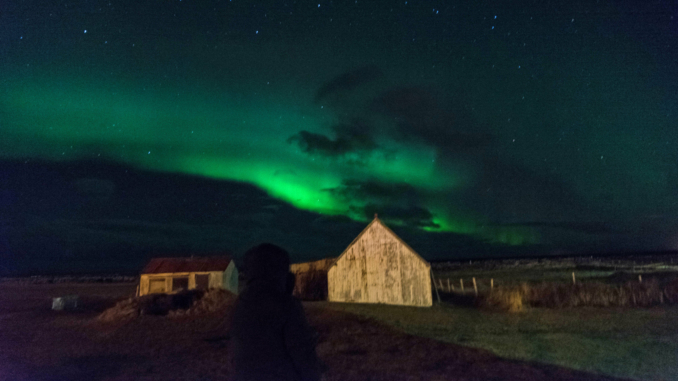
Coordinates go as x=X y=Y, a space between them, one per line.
x=131 y=129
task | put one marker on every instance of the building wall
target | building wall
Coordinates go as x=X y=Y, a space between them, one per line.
x=311 y=279
x=230 y=279
x=321 y=264
x=378 y=268
x=216 y=280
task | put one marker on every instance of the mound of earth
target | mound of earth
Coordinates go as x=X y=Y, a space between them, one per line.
x=211 y=301
x=191 y=302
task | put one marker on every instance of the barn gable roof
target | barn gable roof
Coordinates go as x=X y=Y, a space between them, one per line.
x=186 y=265
x=376 y=220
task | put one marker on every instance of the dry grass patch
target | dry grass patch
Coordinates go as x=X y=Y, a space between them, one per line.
x=192 y=302
x=587 y=294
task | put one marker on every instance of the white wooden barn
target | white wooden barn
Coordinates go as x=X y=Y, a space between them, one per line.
x=378 y=267
x=167 y=275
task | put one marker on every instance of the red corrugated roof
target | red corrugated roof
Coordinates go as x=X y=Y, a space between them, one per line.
x=185 y=265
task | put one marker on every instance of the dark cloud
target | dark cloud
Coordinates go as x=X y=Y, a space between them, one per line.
x=402 y=114
x=338 y=223
x=348 y=81
x=377 y=192
x=497 y=187
x=418 y=114
x=410 y=216
x=506 y=191
x=410 y=113
x=320 y=144
x=48 y=229
x=395 y=202
x=353 y=142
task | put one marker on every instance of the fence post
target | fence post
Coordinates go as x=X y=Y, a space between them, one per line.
x=640 y=278
x=435 y=285
x=461 y=282
x=574 y=280
x=491 y=284
x=475 y=287
x=448 y=285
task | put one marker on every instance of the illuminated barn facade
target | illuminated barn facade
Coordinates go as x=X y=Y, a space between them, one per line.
x=378 y=267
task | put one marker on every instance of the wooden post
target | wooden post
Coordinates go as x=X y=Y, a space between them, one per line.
x=491 y=284
x=640 y=278
x=475 y=286
x=435 y=285
x=574 y=280
x=461 y=282
x=448 y=285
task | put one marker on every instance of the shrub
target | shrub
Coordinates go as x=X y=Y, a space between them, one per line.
x=671 y=292
x=162 y=304
x=191 y=302
x=594 y=294
x=506 y=298
x=212 y=301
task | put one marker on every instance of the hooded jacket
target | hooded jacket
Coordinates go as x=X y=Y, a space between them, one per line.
x=271 y=338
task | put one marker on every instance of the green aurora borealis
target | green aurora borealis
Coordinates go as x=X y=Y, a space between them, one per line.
x=243 y=145
x=521 y=126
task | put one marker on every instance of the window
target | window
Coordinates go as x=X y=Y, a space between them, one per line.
x=180 y=283
x=156 y=285
x=202 y=281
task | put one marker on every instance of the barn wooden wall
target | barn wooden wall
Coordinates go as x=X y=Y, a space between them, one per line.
x=378 y=268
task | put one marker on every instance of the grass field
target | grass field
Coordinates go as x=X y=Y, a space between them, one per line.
x=639 y=343
x=44 y=345
x=630 y=343
x=357 y=341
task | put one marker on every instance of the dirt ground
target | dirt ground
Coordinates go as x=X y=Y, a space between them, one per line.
x=37 y=343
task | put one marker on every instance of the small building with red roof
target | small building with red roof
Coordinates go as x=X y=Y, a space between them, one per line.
x=168 y=275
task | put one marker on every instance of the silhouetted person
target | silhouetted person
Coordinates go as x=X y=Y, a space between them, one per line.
x=291 y=282
x=271 y=337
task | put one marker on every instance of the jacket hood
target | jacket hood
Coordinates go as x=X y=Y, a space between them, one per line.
x=266 y=267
